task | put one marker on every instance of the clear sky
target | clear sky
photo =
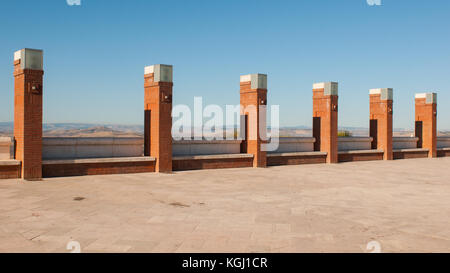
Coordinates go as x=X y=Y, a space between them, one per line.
x=95 y=54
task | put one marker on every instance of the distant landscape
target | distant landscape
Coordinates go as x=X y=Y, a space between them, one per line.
x=106 y=130
x=81 y=130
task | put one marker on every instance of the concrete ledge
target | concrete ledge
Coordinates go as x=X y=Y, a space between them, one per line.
x=362 y=152
x=355 y=139
x=415 y=150
x=208 y=157
x=298 y=154
x=10 y=163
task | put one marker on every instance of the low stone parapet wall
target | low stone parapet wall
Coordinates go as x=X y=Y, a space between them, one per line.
x=295 y=144
x=73 y=148
x=354 y=143
x=90 y=156
x=205 y=147
x=399 y=143
x=443 y=142
x=6 y=148
x=91 y=147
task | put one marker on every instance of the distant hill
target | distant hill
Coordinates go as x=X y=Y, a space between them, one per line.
x=6 y=128
x=117 y=130
x=96 y=131
x=80 y=130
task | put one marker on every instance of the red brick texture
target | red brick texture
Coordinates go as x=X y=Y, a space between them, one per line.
x=443 y=153
x=350 y=157
x=426 y=130
x=28 y=120
x=325 y=124
x=410 y=154
x=251 y=101
x=295 y=160
x=158 y=100
x=381 y=112
x=202 y=164
x=10 y=172
x=81 y=169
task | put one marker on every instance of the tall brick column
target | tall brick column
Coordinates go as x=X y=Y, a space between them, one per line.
x=325 y=119
x=254 y=95
x=28 y=86
x=426 y=127
x=381 y=112
x=158 y=109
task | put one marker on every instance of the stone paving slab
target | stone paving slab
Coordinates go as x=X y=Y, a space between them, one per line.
x=402 y=204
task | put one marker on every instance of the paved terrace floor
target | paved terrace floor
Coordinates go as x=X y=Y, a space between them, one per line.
x=404 y=205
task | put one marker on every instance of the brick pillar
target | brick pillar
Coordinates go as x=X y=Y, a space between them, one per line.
x=381 y=111
x=158 y=110
x=426 y=114
x=325 y=119
x=28 y=86
x=253 y=97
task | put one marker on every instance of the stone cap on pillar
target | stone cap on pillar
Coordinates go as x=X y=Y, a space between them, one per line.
x=161 y=72
x=258 y=81
x=385 y=93
x=30 y=58
x=329 y=88
x=429 y=97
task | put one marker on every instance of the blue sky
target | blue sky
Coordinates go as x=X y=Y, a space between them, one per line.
x=95 y=54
